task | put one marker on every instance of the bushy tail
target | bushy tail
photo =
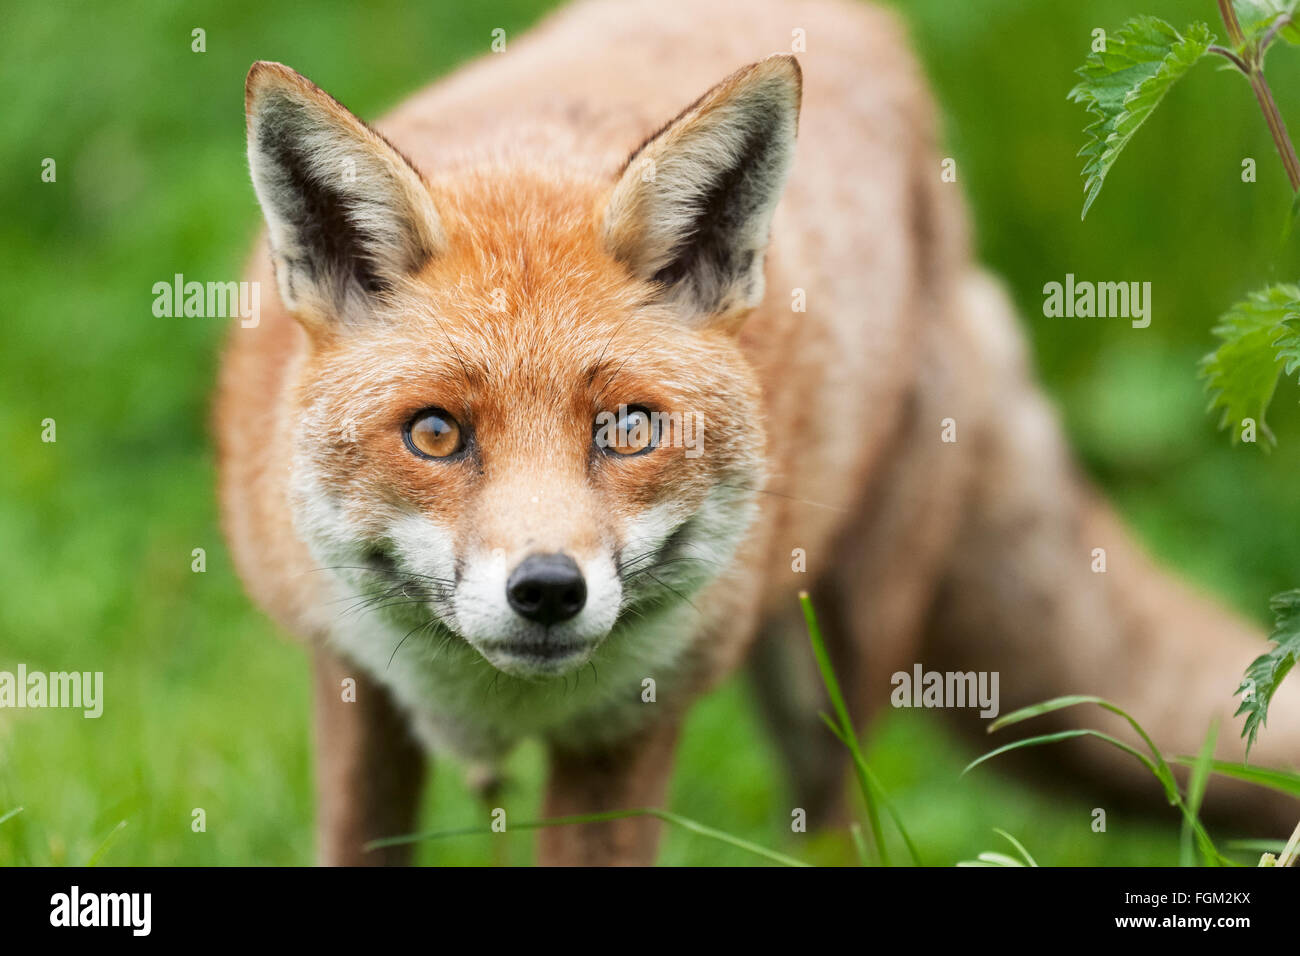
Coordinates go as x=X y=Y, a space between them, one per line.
x=1047 y=588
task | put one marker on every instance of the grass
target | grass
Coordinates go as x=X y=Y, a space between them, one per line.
x=206 y=706
x=844 y=728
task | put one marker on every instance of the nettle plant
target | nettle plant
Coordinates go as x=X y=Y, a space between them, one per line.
x=1121 y=86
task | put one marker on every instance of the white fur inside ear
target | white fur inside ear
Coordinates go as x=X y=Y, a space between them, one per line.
x=346 y=214
x=693 y=209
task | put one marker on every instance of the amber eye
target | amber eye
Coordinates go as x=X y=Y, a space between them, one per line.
x=434 y=434
x=628 y=431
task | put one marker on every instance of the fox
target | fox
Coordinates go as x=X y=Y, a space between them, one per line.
x=579 y=366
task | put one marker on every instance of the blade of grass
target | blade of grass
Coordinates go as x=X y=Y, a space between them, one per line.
x=1017 y=844
x=898 y=820
x=11 y=814
x=1157 y=764
x=1280 y=780
x=1037 y=710
x=880 y=794
x=666 y=816
x=859 y=844
x=107 y=844
x=1196 y=793
x=1159 y=768
x=1256 y=846
x=847 y=736
x=1053 y=738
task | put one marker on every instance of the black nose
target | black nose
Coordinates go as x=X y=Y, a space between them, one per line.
x=547 y=588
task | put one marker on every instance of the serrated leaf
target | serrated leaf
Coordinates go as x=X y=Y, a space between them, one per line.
x=1241 y=374
x=1288 y=346
x=1124 y=84
x=1266 y=671
x=1256 y=16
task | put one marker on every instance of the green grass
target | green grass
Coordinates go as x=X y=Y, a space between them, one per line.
x=206 y=707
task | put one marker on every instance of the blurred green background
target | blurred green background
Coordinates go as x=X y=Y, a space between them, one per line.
x=206 y=706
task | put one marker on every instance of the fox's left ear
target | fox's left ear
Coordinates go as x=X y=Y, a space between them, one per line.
x=348 y=217
x=693 y=207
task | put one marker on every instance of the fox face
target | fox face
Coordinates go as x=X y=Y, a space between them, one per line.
x=524 y=421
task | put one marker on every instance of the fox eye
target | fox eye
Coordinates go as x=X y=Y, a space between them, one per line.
x=433 y=433
x=630 y=431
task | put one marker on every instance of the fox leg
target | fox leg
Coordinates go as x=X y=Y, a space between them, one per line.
x=1024 y=595
x=369 y=770
x=629 y=775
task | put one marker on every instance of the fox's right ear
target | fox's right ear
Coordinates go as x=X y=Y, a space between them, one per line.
x=348 y=217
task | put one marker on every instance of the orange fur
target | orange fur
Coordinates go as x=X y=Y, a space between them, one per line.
x=529 y=316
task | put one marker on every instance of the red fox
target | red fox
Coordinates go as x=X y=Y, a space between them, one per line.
x=587 y=359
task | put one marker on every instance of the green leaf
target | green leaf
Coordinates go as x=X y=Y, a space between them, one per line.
x=1123 y=85
x=1288 y=346
x=1283 y=781
x=1266 y=671
x=1241 y=374
x=1256 y=16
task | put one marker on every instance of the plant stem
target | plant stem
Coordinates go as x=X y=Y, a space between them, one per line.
x=1237 y=61
x=1254 y=70
x=1276 y=126
x=1272 y=33
x=1289 y=854
x=1230 y=21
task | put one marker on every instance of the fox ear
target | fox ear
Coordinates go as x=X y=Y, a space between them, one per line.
x=348 y=217
x=693 y=207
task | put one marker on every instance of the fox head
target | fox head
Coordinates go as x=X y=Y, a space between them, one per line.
x=523 y=416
